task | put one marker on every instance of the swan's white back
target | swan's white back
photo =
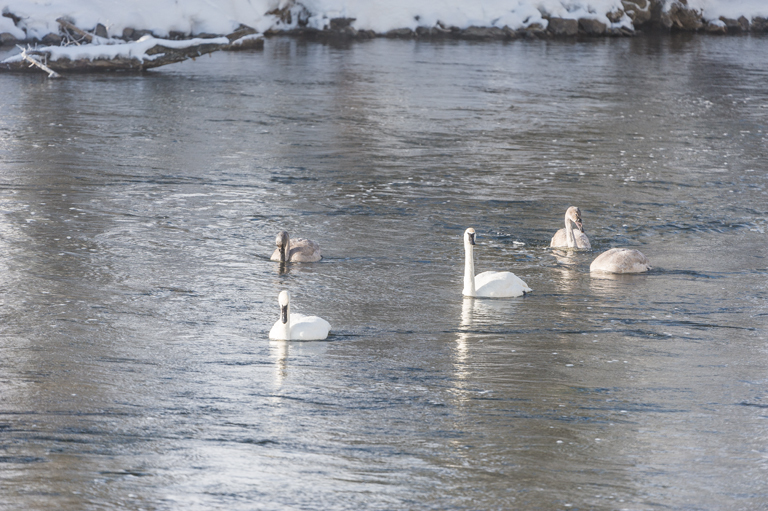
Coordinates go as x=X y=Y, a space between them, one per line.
x=303 y=328
x=298 y=327
x=489 y=284
x=499 y=284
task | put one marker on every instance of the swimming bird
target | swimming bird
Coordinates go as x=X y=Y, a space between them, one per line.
x=297 y=250
x=567 y=238
x=297 y=327
x=489 y=284
x=621 y=260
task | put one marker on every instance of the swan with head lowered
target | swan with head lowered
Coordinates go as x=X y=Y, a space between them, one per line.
x=621 y=260
x=297 y=327
x=489 y=284
x=568 y=238
x=297 y=250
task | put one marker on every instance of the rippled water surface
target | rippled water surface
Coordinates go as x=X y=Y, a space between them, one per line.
x=138 y=213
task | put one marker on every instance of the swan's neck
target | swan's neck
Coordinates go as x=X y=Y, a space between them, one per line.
x=284 y=252
x=285 y=322
x=469 y=271
x=569 y=238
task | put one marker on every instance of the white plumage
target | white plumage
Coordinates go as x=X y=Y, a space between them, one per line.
x=297 y=327
x=489 y=284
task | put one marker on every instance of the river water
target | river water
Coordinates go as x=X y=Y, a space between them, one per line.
x=138 y=213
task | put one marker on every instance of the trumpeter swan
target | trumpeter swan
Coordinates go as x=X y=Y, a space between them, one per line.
x=489 y=284
x=296 y=250
x=621 y=260
x=568 y=238
x=297 y=327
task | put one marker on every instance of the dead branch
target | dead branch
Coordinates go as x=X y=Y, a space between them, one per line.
x=69 y=26
x=34 y=62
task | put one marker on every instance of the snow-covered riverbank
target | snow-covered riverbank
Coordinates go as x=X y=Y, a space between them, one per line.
x=36 y=19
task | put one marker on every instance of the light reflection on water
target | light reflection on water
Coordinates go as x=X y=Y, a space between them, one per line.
x=137 y=215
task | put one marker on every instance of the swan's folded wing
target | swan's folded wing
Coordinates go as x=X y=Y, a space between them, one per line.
x=304 y=250
x=621 y=260
x=499 y=284
x=277 y=332
x=582 y=241
x=559 y=240
x=309 y=328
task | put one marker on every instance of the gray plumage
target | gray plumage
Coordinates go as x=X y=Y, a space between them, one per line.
x=578 y=238
x=621 y=260
x=297 y=250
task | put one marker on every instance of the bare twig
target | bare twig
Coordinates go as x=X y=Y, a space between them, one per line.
x=69 y=26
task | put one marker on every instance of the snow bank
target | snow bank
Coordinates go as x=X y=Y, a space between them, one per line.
x=161 y=17
x=714 y=9
x=193 y=17
x=7 y=27
x=394 y=14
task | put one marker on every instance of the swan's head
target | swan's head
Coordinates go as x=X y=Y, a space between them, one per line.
x=284 y=298
x=574 y=215
x=469 y=237
x=282 y=239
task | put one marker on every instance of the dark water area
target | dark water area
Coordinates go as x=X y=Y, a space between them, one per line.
x=138 y=214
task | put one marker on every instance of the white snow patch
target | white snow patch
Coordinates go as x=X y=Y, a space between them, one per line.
x=244 y=39
x=193 y=17
x=734 y=9
x=7 y=26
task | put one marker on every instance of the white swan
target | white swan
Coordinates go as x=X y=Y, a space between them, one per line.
x=567 y=238
x=621 y=260
x=489 y=284
x=297 y=327
x=296 y=250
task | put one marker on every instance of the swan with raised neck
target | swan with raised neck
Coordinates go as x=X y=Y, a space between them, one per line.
x=489 y=284
x=568 y=238
x=292 y=326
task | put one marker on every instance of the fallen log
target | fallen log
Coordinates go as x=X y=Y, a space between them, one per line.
x=146 y=53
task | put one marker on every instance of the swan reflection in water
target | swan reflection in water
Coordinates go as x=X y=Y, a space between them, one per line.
x=280 y=351
x=616 y=284
x=477 y=317
x=567 y=258
x=461 y=351
x=569 y=278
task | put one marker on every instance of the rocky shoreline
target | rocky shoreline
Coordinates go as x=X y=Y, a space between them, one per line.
x=634 y=17
x=645 y=15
